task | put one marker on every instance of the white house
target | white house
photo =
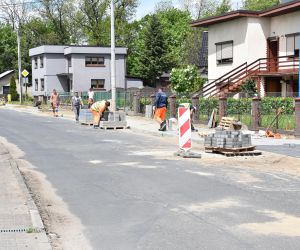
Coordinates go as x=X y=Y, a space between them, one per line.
x=76 y=68
x=263 y=45
x=5 y=80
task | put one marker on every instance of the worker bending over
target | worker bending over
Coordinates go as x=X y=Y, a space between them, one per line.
x=161 y=104
x=98 y=109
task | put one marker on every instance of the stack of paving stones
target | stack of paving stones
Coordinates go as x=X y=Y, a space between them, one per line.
x=85 y=116
x=227 y=139
x=114 y=120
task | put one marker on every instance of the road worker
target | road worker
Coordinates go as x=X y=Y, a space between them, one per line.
x=161 y=104
x=192 y=111
x=98 y=109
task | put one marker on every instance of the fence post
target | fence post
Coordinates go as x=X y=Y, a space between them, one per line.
x=195 y=102
x=173 y=106
x=136 y=103
x=255 y=113
x=153 y=96
x=222 y=107
x=297 y=113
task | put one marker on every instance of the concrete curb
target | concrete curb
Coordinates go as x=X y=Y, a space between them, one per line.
x=37 y=223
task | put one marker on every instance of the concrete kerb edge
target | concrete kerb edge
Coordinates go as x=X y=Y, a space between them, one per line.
x=37 y=223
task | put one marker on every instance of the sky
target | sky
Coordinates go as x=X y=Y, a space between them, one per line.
x=147 y=6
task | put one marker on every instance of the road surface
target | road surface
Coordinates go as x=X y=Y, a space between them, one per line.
x=129 y=192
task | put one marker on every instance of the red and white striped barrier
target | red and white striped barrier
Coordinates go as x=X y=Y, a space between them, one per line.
x=184 y=125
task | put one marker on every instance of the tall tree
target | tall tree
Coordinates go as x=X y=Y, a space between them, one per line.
x=176 y=30
x=153 y=56
x=259 y=5
x=223 y=7
x=94 y=19
x=57 y=12
x=8 y=48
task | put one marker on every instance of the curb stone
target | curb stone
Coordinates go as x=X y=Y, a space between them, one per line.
x=36 y=220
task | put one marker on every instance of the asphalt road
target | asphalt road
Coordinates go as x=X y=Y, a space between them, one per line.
x=130 y=193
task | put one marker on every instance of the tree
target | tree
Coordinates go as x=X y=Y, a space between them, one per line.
x=176 y=30
x=8 y=48
x=94 y=20
x=153 y=58
x=13 y=89
x=249 y=87
x=259 y=5
x=224 y=7
x=57 y=13
x=186 y=79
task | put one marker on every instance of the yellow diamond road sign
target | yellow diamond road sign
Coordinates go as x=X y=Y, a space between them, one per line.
x=25 y=73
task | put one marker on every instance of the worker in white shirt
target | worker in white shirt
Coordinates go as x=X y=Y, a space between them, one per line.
x=91 y=97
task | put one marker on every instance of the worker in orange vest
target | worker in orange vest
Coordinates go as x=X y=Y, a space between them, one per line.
x=98 y=109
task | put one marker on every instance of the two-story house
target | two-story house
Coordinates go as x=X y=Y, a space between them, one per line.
x=262 y=45
x=75 y=68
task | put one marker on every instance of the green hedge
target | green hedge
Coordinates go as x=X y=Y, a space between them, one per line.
x=269 y=105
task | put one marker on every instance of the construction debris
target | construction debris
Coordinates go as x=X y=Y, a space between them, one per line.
x=227 y=122
x=268 y=132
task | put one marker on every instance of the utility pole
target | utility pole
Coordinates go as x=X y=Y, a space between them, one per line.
x=113 y=56
x=299 y=67
x=19 y=62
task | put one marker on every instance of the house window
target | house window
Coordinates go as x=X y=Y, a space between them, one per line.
x=36 y=85
x=42 y=84
x=224 y=52
x=97 y=83
x=41 y=62
x=35 y=63
x=292 y=44
x=69 y=61
x=94 y=61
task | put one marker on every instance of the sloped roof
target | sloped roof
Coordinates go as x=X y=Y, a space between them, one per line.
x=278 y=10
x=6 y=73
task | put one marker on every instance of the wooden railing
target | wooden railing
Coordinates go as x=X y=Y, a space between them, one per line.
x=262 y=66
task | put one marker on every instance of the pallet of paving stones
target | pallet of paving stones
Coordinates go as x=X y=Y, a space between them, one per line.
x=229 y=152
x=113 y=125
x=86 y=117
x=87 y=123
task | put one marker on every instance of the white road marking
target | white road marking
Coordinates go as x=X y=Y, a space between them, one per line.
x=199 y=173
x=95 y=161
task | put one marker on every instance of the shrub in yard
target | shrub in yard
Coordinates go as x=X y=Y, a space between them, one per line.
x=270 y=105
x=186 y=79
x=13 y=89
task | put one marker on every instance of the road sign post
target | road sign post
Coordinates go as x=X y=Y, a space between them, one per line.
x=25 y=73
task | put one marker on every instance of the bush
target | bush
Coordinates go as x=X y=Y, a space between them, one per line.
x=270 y=105
x=207 y=105
x=186 y=80
x=13 y=89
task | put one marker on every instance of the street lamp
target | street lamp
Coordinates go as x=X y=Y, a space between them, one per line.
x=299 y=67
x=113 y=57
x=19 y=61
